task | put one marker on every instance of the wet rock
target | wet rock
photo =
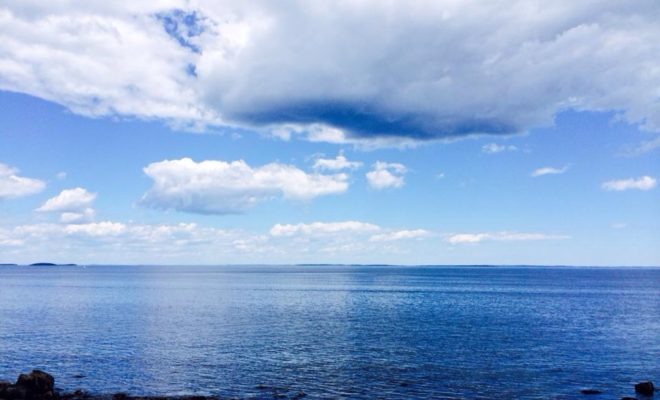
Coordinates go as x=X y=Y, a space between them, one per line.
x=14 y=392
x=645 y=388
x=37 y=385
x=37 y=382
x=590 y=391
x=119 y=396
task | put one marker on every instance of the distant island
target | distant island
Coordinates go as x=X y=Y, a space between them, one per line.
x=47 y=264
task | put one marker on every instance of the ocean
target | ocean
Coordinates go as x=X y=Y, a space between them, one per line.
x=356 y=332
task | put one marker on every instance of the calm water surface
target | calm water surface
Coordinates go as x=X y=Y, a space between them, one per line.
x=334 y=331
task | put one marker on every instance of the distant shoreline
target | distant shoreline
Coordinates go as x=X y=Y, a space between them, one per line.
x=48 y=264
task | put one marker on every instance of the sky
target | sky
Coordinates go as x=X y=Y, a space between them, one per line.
x=416 y=132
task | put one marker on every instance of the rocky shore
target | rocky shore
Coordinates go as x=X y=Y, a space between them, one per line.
x=39 y=385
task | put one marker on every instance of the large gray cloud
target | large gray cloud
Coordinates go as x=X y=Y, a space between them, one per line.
x=370 y=69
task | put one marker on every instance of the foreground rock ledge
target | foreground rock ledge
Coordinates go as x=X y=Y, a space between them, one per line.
x=39 y=385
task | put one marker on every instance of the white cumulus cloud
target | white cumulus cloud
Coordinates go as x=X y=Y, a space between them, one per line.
x=13 y=185
x=386 y=175
x=367 y=69
x=69 y=200
x=641 y=183
x=459 y=238
x=74 y=205
x=220 y=187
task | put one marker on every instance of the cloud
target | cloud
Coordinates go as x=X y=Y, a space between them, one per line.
x=84 y=215
x=13 y=186
x=403 y=234
x=74 y=205
x=549 y=171
x=219 y=187
x=112 y=241
x=367 y=70
x=115 y=59
x=461 y=238
x=129 y=242
x=322 y=228
x=641 y=183
x=646 y=146
x=386 y=175
x=71 y=200
x=494 y=148
x=336 y=164
x=355 y=238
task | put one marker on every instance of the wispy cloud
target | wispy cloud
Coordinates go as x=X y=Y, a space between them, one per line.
x=386 y=175
x=460 y=238
x=403 y=234
x=336 y=164
x=641 y=183
x=494 y=148
x=183 y=242
x=322 y=228
x=549 y=171
x=642 y=148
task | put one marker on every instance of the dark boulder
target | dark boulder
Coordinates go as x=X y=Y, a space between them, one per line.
x=14 y=392
x=37 y=385
x=590 y=391
x=645 y=388
x=119 y=396
x=36 y=381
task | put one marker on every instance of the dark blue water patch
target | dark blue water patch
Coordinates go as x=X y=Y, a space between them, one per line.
x=334 y=331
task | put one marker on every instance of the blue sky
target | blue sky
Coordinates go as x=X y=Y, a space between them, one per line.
x=179 y=133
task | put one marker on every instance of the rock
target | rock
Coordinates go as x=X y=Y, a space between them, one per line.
x=628 y=398
x=37 y=385
x=37 y=382
x=14 y=392
x=645 y=388
x=119 y=396
x=590 y=391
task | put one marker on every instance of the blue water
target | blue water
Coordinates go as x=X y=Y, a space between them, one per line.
x=334 y=331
